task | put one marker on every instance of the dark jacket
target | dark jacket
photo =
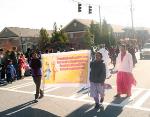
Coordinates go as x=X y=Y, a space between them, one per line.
x=36 y=65
x=10 y=71
x=14 y=58
x=98 y=72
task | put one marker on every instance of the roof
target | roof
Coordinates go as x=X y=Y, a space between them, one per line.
x=26 y=32
x=86 y=22
x=117 y=28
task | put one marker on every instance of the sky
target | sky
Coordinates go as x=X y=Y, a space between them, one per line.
x=39 y=14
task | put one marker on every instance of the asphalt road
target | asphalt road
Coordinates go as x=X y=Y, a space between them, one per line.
x=16 y=99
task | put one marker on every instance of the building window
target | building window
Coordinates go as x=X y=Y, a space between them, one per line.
x=6 y=30
x=75 y=24
x=71 y=35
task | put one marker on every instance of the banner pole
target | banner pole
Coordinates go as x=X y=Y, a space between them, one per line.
x=43 y=79
x=88 y=79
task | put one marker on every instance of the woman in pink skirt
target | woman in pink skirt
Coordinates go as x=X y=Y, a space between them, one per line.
x=125 y=78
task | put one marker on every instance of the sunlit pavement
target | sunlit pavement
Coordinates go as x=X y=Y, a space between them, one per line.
x=17 y=99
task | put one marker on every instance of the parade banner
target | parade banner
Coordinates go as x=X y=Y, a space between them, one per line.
x=66 y=67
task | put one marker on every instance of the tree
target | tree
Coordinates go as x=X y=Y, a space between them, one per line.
x=102 y=35
x=95 y=31
x=88 y=39
x=107 y=34
x=59 y=38
x=44 y=39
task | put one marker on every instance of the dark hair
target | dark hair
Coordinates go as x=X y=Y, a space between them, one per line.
x=46 y=51
x=28 y=49
x=14 y=48
x=34 y=52
x=123 y=46
x=1 y=49
x=9 y=60
x=99 y=54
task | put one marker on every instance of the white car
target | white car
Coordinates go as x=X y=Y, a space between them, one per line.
x=145 y=52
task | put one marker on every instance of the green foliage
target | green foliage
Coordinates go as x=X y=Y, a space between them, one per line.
x=95 y=31
x=102 y=34
x=44 y=38
x=59 y=38
x=106 y=33
x=87 y=40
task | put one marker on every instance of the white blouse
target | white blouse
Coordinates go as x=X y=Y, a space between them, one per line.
x=126 y=65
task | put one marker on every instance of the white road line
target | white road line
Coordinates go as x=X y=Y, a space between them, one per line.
x=84 y=96
x=27 y=79
x=142 y=99
x=134 y=95
x=20 y=109
x=73 y=96
x=44 y=89
x=135 y=88
x=80 y=100
x=23 y=86
x=20 y=85
x=51 y=89
x=19 y=91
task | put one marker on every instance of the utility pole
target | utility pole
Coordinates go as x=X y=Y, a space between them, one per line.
x=131 y=10
x=100 y=19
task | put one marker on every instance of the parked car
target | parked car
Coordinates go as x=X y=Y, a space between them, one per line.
x=145 y=52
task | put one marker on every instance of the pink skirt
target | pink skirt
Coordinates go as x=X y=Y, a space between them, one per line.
x=124 y=82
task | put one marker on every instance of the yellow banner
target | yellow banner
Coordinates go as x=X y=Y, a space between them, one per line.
x=66 y=67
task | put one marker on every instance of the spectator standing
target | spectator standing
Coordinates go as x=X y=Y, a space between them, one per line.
x=131 y=50
x=14 y=58
x=21 y=65
x=28 y=55
x=2 y=64
x=10 y=72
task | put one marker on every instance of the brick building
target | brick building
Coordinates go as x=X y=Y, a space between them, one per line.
x=76 y=30
x=22 y=38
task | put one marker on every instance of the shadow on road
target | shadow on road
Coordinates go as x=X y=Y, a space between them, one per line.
x=87 y=110
x=26 y=110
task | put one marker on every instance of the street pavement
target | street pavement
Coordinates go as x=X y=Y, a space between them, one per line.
x=17 y=99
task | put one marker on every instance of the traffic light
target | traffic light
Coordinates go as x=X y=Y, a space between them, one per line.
x=79 y=7
x=90 y=9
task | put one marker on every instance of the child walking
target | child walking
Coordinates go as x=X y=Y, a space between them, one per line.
x=97 y=79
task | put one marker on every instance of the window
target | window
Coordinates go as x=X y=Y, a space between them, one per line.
x=71 y=35
x=75 y=24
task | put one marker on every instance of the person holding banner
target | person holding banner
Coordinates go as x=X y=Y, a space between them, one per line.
x=97 y=79
x=36 y=66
